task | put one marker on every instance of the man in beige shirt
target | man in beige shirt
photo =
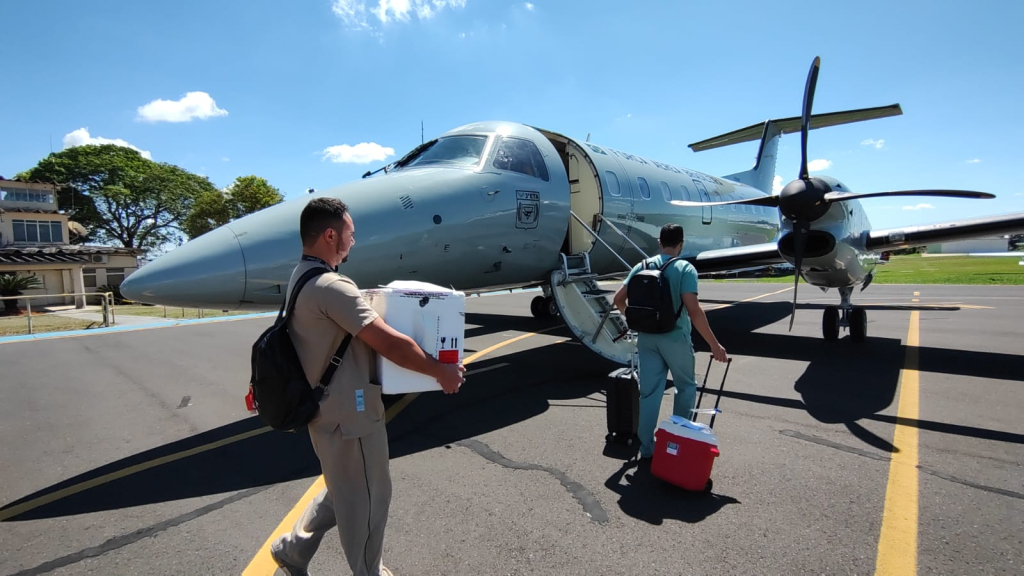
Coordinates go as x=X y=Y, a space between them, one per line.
x=348 y=433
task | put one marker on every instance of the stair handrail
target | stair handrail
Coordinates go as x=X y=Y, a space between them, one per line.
x=603 y=243
x=638 y=249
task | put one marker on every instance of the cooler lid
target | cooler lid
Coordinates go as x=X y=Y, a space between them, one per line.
x=691 y=430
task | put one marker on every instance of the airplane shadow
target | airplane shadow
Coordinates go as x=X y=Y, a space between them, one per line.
x=834 y=388
x=652 y=500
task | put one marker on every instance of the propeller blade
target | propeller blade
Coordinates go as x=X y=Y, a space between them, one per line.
x=772 y=201
x=842 y=196
x=798 y=252
x=805 y=121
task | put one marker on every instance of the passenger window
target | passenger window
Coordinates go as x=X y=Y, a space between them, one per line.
x=666 y=192
x=686 y=192
x=522 y=156
x=613 y=183
x=645 y=190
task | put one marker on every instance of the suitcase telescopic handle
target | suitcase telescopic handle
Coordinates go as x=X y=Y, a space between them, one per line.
x=721 y=387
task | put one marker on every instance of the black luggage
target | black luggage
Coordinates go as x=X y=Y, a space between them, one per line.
x=623 y=407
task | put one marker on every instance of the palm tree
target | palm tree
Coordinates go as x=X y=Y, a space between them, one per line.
x=12 y=285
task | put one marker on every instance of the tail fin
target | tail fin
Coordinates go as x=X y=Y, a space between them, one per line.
x=763 y=172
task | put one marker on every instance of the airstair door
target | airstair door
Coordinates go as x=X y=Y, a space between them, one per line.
x=587 y=310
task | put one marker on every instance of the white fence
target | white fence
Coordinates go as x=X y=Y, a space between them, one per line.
x=106 y=302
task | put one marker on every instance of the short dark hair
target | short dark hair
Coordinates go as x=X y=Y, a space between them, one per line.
x=671 y=235
x=319 y=215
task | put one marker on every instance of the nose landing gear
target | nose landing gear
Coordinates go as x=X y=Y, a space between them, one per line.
x=846 y=315
x=543 y=307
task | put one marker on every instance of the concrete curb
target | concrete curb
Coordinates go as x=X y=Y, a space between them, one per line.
x=129 y=328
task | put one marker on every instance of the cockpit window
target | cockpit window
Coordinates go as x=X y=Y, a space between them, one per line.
x=460 y=150
x=519 y=155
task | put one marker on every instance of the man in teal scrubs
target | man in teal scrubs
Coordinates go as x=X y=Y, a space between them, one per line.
x=672 y=350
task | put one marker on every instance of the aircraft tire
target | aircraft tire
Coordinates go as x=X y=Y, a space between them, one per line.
x=830 y=323
x=858 y=324
x=539 y=307
x=552 y=308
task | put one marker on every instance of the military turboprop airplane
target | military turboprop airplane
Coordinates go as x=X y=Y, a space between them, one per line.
x=498 y=205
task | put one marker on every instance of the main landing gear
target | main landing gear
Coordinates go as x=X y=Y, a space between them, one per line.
x=846 y=315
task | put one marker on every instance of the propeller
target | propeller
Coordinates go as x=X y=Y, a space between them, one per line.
x=807 y=199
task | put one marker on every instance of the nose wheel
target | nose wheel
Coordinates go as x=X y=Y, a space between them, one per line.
x=543 y=307
x=846 y=316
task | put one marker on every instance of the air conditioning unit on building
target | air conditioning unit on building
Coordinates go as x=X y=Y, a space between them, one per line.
x=99 y=258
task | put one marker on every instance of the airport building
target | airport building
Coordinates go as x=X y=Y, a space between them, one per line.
x=35 y=240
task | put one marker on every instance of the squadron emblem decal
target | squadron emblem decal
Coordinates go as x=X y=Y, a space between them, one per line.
x=528 y=211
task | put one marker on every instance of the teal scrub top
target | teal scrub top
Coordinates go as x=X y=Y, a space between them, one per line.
x=683 y=279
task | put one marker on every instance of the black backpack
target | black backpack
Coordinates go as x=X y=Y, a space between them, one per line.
x=282 y=395
x=650 y=307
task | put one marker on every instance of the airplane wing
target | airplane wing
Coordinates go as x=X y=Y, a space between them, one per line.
x=957 y=230
x=737 y=258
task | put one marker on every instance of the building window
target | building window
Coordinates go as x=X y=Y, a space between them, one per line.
x=11 y=194
x=89 y=277
x=522 y=156
x=645 y=190
x=666 y=192
x=613 y=183
x=38 y=231
x=115 y=276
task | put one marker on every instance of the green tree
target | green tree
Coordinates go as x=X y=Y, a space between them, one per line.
x=209 y=211
x=244 y=196
x=120 y=196
x=249 y=194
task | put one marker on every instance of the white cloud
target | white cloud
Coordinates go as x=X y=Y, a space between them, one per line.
x=920 y=207
x=777 y=184
x=225 y=159
x=818 y=165
x=975 y=161
x=530 y=6
x=871 y=142
x=191 y=106
x=362 y=153
x=81 y=137
x=355 y=13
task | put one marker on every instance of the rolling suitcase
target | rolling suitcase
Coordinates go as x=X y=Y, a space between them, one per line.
x=623 y=407
x=684 y=450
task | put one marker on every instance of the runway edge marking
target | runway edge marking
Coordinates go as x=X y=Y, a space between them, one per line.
x=263 y=564
x=897 y=543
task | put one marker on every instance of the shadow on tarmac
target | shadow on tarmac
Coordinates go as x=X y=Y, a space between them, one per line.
x=834 y=388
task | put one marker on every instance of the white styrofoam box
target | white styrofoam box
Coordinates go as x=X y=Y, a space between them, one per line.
x=433 y=316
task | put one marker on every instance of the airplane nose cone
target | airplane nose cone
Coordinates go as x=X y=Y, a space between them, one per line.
x=207 y=272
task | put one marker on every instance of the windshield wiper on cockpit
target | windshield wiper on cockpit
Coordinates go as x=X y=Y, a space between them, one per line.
x=412 y=155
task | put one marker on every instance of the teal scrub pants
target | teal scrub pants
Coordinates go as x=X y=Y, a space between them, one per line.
x=660 y=353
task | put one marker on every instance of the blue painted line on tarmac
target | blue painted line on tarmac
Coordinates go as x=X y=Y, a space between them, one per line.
x=130 y=327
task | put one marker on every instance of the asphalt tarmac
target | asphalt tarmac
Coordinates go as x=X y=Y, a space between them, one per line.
x=132 y=452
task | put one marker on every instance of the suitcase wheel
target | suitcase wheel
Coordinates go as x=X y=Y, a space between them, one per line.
x=609 y=438
x=629 y=441
x=709 y=485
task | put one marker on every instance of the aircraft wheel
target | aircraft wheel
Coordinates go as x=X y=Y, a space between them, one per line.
x=552 y=308
x=858 y=324
x=830 y=323
x=539 y=307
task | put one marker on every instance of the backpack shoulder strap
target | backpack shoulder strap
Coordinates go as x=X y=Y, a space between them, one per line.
x=287 y=308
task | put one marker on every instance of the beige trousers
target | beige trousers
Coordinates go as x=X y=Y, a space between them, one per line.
x=356 y=500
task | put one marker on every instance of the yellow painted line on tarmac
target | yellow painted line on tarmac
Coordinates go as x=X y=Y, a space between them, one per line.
x=751 y=299
x=897 y=543
x=917 y=293
x=915 y=300
x=263 y=564
x=75 y=489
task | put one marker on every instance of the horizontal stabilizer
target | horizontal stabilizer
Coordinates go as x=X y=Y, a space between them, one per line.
x=788 y=125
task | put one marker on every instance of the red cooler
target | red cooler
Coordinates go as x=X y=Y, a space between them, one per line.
x=684 y=453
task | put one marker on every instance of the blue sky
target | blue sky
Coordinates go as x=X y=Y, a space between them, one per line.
x=313 y=93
